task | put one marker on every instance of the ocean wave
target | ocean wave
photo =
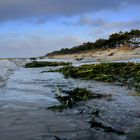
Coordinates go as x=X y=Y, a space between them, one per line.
x=7 y=66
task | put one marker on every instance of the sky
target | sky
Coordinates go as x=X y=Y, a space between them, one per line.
x=30 y=28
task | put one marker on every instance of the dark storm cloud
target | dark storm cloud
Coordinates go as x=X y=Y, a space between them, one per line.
x=19 y=9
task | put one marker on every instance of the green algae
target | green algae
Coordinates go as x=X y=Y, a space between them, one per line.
x=58 y=108
x=35 y=64
x=73 y=97
x=124 y=73
x=135 y=94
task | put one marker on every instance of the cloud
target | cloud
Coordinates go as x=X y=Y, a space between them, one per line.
x=34 y=45
x=89 y=19
x=86 y=21
x=108 y=28
x=123 y=25
x=20 y=9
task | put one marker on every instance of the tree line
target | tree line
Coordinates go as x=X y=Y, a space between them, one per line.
x=130 y=39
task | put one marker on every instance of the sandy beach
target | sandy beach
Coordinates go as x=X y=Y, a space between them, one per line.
x=123 y=53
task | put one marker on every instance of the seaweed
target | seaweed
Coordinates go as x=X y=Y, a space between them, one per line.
x=73 y=97
x=127 y=74
x=36 y=64
x=59 y=108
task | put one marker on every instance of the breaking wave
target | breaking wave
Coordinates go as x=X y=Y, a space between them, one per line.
x=7 y=66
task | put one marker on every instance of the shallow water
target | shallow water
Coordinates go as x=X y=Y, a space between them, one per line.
x=86 y=61
x=28 y=92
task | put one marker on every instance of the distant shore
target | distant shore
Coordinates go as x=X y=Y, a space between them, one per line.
x=123 y=53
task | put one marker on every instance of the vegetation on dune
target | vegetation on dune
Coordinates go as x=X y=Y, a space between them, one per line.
x=124 y=73
x=131 y=39
x=45 y=63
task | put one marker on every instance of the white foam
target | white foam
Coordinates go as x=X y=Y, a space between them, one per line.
x=7 y=66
